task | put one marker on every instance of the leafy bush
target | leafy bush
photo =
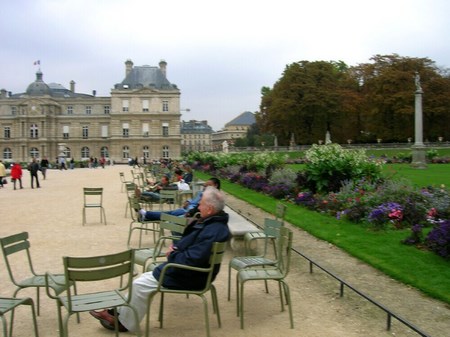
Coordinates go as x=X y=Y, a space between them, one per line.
x=330 y=165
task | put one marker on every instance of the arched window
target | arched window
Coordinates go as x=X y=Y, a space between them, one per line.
x=34 y=152
x=67 y=152
x=7 y=153
x=34 y=131
x=84 y=152
x=146 y=152
x=104 y=152
x=125 y=152
x=165 y=151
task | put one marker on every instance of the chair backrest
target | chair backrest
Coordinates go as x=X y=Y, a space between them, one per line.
x=168 y=195
x=98 y=268
x=134 y=205
x=272 y=232
x=280 y=211
x=130 y=188
x=173 y=223
x=217 y=254
x=122 y=177
x=12 y=244
x=170 y=223
x=91 y=193
x=284 y=250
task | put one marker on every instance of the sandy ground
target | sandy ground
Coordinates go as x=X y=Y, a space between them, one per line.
x=52 y=216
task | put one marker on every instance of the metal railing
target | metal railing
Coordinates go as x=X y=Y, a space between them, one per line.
x=390 y=314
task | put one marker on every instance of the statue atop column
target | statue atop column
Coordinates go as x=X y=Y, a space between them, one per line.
x=417 y=81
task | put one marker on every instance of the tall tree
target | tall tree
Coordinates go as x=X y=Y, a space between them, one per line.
x=308 y=100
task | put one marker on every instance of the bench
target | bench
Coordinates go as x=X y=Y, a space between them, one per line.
x=238 y=226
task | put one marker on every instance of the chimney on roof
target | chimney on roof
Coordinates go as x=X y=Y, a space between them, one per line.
x=3 y=93
x=72 y=86
x=128 y=67
x=94 y=92
x=163 y=67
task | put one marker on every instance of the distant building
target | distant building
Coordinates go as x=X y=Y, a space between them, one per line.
x=236 y=128
x=140 y=119
x=196 y=136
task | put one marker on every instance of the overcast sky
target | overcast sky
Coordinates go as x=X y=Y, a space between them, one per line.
x=218 y=53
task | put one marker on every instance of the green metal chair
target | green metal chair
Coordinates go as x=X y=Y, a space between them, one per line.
x=172 y=224
x=172 y=227
x=277 y=273
x=9 y=304
x=217 y=254
x=169 y=197
x=280 y=211
x=139 y=224
x=92 y=270
x=16 y=249
x=271 y=233
x=123 y=180
x=93 y=198
x=130 y=188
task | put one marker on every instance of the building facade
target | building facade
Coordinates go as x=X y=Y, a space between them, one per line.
x=236 y=128
x=196 y=136
x=140 y=119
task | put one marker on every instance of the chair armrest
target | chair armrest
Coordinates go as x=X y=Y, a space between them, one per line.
x=54 y=282
x=179 y=266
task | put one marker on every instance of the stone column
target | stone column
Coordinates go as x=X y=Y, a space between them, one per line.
x=418 y=149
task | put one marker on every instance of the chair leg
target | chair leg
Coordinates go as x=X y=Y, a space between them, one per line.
x=288 y=296
x=229 y=282
x=4 y=324
x=33 y=314
x=241 y=304
x=216 y=305
x=205 y=307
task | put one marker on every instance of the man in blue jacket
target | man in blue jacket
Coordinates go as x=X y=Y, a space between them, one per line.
x=193 y=249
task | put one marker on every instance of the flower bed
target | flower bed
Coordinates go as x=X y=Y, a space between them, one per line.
x=344 y=184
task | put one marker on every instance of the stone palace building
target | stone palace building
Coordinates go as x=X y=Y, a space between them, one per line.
x=140 y=119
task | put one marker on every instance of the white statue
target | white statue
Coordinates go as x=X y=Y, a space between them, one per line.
x=417 y=81
x=225 y=146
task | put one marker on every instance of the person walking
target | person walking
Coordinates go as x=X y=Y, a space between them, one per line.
x=33 y=167
x=2 y=173
x=16 y=174
x=44 y=167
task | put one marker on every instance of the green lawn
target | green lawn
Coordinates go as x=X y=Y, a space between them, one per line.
x=434 y=175
x=382 y=249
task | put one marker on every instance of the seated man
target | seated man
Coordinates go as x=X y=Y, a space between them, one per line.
x=189 y=208
x=193 y=249
x=164 y=184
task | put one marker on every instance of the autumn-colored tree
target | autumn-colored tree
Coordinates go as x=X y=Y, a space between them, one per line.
x=363 y=103
x=309 y=99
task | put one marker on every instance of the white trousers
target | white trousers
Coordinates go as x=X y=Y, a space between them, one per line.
x=142 y=287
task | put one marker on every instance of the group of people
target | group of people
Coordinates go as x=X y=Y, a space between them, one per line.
x=16 y=173
x=193 y=249
x=179 y=179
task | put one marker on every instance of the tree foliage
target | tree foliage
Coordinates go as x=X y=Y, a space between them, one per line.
x=363 y=103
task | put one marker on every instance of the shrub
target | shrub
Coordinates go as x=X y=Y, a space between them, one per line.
x=329 y=165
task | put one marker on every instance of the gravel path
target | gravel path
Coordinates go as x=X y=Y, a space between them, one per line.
x=52 y=216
